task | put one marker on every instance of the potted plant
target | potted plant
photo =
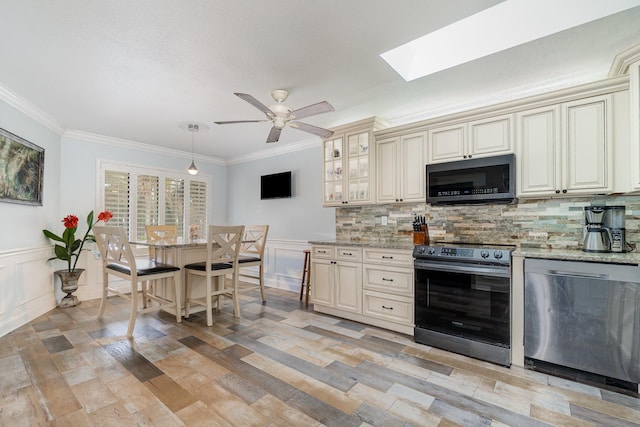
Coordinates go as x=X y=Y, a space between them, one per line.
x=69 y=250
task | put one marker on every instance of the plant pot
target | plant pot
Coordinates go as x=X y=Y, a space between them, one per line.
x=69 y=284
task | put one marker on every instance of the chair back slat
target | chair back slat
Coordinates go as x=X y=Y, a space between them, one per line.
x=223 y=244
x=164 y=233
x=254 y=240
x=114 y=247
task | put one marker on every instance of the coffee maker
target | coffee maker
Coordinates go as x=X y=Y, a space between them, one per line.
x=614 y=222
x=604 y=229
x=596 y=236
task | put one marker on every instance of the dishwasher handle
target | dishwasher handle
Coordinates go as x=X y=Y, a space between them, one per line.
x=577 y=274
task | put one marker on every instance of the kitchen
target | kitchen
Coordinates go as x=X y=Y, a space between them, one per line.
x=544 y=222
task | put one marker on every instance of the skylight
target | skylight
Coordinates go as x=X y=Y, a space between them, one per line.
x=505 y=25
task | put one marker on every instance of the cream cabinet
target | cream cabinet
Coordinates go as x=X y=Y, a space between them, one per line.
x=336 y=277
x=476 y=138
x=565 y=149
x=634 y=118
x=388 y=285
x=400 y=162
x=370 y=285
x=347 y=161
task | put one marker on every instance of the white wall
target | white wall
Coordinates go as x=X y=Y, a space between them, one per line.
x=292 y=222
x=301 y=217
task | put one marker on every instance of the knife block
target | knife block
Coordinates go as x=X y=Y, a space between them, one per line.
x=421 y=237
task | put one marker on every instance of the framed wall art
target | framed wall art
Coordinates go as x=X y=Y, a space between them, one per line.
x=21 y=170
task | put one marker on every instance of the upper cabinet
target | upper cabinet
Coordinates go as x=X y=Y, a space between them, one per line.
x=348 y=169
x=400 y=161
x=566 y=149
x=476 y=138
x=634 y=117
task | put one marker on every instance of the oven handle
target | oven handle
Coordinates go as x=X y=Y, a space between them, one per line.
x=463 y=268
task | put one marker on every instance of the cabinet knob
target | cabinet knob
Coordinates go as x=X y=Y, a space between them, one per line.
x=464 y=157
x=564 y=191
x=557 y=191
x=470 y=156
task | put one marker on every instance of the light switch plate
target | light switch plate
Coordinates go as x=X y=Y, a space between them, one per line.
x=384 y=220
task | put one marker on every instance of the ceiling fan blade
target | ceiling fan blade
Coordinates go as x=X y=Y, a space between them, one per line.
x=259 y=105
x=312 y=110
x=240 y=121
x=274 y=135
x=321 y=132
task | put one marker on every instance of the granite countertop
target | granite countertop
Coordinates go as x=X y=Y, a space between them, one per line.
x=407 y=245
x=560 y=254
x=579 y=255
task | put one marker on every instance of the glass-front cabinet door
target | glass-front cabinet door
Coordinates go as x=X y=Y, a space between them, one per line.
x=348 y=162
x=333 y=171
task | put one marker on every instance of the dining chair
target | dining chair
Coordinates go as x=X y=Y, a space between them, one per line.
x=166 y=233
x=252 y=254
x=160 y=234
x=118 y=260
x=223 y=248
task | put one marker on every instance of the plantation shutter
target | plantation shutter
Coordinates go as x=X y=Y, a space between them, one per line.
x=174 y=204
x=147 y=204
x=197 y=209
x=116 y=197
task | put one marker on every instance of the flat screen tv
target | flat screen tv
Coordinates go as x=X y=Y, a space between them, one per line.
x=275 y=186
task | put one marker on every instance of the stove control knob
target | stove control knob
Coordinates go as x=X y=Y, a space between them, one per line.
x=420 y=249
x=431 y=251
x=497 y=254
x=484 y=253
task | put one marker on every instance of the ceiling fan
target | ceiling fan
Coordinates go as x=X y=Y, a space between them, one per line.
x=281 y=115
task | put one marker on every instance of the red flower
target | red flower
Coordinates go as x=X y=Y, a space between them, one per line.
x=70 y=221
x=105 y=216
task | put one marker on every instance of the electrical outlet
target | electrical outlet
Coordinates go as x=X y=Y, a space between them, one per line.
x=384 y=220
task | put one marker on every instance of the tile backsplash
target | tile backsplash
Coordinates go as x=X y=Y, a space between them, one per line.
x=543 y=223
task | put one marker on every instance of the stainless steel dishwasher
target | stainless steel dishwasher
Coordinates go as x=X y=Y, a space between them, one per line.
x=584 y=316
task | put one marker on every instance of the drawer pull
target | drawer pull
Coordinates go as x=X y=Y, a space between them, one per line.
x=347 y=253
x=386 y=257
x=387 y=280
x=387 y=308
x=323 y=252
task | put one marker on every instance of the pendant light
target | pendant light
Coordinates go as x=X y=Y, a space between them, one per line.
x=193 y=128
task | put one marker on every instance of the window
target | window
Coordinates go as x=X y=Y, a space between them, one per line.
x=140 y=196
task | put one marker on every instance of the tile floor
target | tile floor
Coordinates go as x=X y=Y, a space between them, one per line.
x=279 y=365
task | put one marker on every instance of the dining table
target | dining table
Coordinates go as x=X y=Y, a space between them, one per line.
x=179 y=254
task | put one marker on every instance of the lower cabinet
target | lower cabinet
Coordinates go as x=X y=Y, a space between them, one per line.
x=368 y=285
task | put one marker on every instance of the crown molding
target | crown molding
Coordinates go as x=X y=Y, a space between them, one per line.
x=275 y=151
x=620 y=64
x=19 y=103
x=125 y=143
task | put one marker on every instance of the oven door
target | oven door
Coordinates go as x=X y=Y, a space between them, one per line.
x=465 y=300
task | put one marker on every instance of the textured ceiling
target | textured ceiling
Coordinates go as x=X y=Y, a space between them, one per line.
x=134 y=69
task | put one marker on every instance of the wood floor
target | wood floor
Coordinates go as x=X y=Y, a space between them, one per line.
x=279 y=365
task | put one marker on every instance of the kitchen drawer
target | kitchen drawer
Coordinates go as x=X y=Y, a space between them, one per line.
x=396 y=280
x=388 y=307
x=322 y=252
x=348 y=253
x=389 y=257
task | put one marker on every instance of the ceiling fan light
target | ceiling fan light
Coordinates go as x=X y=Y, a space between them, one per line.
x=193 y=170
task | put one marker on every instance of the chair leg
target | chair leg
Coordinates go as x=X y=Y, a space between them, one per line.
x=234 y=296
x=264 y=298
x=187 y=295
x=177 y=298
x=105 y=287
x=208 y=302
x=143 y=288
x=134 y=309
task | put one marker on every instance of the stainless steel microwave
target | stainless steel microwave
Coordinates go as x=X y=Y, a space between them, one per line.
x=484 y=180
